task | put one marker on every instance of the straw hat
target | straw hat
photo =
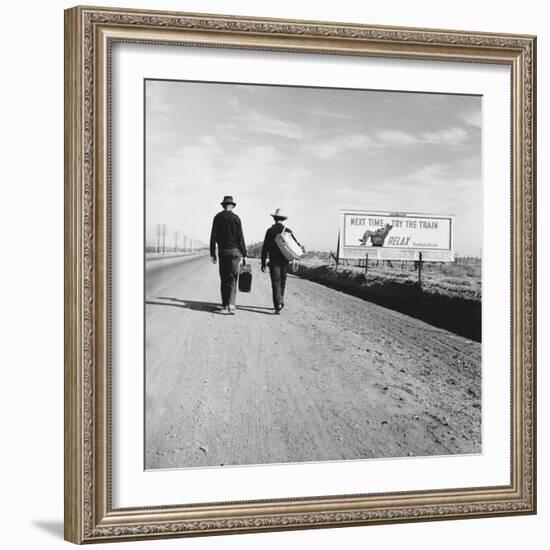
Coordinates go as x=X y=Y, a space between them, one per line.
x=279 y=214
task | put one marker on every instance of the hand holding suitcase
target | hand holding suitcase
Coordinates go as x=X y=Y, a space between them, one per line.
x=245 y=277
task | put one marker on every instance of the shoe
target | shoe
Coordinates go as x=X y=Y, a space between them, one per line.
x=232 y=310
x=278 y=310
x=224 y=310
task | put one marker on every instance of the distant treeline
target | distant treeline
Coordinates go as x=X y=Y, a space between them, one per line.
x=467 y=260
x=255 y=250
x=153 y=249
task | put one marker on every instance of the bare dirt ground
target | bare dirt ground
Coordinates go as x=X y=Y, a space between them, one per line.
x=334 y=377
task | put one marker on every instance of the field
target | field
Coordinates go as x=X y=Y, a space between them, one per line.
x=456 y=280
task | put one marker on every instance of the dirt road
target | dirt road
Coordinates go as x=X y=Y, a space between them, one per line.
x=334 y=377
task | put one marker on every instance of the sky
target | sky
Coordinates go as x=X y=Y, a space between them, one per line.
x=311 y=151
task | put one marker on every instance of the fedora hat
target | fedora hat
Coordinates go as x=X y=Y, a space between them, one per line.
x=228 y=199
x=280 y=213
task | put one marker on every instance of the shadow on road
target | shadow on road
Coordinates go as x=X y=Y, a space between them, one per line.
x=257 y=309
x=208 y=307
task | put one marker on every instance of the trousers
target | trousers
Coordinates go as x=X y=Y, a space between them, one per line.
x=229 y=259
x=277 y=272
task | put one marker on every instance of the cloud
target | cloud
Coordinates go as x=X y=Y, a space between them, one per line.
x=386 y=139
x=471 y=117
x=210 y=143
x=336 y=146
x=395 y=138
x=398 y=138
x=183 y=168
x=429 y=175
x=250 y=164
x=436 y=184
x=447 y=136
x=252 y=122
x=263 y=123
x=332 y=115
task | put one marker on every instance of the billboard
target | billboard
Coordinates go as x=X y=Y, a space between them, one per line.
x=396 y=235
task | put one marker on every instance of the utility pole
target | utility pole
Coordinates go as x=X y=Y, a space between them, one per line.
x=176 y=236
x=164 y=238
x=158 y=237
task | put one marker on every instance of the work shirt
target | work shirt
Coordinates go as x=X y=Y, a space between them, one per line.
x=270 y=247
x=227 y=232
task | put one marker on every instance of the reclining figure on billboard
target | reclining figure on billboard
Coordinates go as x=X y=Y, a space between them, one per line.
x=377 y=237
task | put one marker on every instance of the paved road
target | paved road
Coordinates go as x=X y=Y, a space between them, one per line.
x=332 y=378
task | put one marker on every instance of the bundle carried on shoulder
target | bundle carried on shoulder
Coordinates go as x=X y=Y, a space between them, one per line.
x=288 y=246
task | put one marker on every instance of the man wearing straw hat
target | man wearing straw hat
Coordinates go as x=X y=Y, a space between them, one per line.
x=278 y=264
x=227 y=233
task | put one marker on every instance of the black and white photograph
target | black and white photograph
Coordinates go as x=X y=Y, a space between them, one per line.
x=312 y=267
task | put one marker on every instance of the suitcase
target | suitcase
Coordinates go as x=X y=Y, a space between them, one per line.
x=289 y=248
x=245 y=277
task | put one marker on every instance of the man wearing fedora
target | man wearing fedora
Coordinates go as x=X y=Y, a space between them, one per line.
x=278 y=264
x=227 y=233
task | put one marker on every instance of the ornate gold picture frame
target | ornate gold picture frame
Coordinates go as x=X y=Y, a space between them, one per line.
x=90 y=34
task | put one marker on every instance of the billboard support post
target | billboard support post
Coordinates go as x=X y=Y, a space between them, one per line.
x=366 y=264
x=420 y=269
x=337 y=258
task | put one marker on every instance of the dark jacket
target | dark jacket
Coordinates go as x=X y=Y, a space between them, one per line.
x=270 y=248
x=227 y=232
